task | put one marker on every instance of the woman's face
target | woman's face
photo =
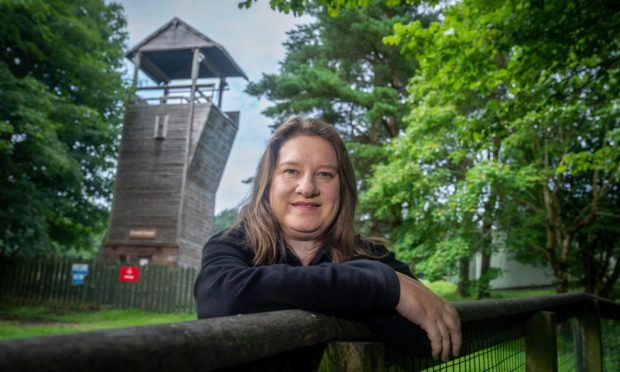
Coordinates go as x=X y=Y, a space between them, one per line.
x=305 y=188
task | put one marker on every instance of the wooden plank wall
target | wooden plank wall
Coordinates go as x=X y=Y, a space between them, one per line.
x=149 y=176
x=210 y=153
x=162 y=289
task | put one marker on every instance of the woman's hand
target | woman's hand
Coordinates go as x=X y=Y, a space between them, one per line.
x=438 y=319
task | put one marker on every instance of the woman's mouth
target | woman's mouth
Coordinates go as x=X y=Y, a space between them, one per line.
x=306 y=206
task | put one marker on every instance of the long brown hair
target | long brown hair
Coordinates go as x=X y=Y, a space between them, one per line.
x=262 y=231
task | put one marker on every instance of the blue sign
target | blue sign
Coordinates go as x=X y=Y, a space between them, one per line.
x=78 y=273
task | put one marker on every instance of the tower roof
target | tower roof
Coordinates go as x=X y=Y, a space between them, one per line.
x=166 y=54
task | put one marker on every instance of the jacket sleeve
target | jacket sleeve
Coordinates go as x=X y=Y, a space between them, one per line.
x=229 y=284
x=406 y=337
x=387 y=257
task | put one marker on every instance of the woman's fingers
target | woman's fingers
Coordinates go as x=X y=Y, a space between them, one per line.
x=438 y=319
x=445 y=344
x=434 y=337
x=453 y=323
x=439 y=336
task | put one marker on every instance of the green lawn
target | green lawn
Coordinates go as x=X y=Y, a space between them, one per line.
x=29 y=321
x=448 y=291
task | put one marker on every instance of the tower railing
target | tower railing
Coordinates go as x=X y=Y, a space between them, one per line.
x=176 y=94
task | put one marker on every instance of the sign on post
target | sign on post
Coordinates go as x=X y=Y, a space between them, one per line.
x=142 y=233
x=129 y=274
x=78 y=273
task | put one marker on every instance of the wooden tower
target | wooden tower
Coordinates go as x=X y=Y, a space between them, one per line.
x=174 y=146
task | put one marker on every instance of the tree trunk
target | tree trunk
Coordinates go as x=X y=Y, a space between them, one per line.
x=463 y=287
x=561 y=285
x=487 y=227
x=483 y=282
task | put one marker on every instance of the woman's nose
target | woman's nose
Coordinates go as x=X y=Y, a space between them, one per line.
x=307 y=186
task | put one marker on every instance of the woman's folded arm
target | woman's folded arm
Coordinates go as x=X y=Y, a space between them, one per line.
x=228 y=284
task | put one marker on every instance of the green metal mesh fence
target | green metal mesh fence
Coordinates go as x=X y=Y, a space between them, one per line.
x=569 y=345
x=499 y=345
x=490 y=345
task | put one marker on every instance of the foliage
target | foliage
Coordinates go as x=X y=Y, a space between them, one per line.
x=526 y=97
x=224 y=220
x=339 y=70
x=335 y=7
x=61 y=94
x=441 y=288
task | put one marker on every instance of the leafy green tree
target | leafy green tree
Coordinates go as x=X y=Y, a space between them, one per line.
x=61 y=92
x=513 y=128
x=542 y=80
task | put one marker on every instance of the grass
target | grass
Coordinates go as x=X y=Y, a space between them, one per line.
x=30 y=321
x=448 y=291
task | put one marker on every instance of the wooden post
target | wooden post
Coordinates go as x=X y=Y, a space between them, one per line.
x=136 y=62
x=353 y=357
x=195 y=61
x=134 y=82
x=188 y=138
x=589 y=323
x=164 y=99
x=541 y=349
x=220 y=93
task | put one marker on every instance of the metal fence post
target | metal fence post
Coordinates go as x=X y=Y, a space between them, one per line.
x=589 y=322
x=541 y=349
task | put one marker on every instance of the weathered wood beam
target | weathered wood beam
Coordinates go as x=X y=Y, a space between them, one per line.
x=541 y=349
x=188 y=141
x=173 y=87
x=137 y=59
x=159 y=74
x=202 y=345
x=485 y=309
x=591 y=347
x=220 y=91
x=213 y=67
x=354 y=357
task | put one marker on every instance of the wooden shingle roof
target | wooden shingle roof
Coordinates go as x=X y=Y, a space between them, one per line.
x=166 y=54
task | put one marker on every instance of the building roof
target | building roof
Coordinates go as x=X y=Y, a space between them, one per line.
x=166 y=54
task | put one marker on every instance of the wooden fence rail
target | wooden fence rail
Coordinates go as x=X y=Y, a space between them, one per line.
x=500 y=335
x=165 y=289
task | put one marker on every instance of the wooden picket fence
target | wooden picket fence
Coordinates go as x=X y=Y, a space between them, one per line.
x=45 y=280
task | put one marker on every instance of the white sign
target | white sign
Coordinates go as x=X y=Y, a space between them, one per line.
x=78 y=273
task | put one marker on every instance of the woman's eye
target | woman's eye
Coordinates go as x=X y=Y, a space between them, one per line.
x=290 y=172
x=325 y=175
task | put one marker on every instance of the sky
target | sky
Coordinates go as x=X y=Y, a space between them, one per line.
x=253 y=37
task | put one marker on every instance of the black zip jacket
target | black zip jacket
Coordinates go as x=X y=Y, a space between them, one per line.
x=363 y=289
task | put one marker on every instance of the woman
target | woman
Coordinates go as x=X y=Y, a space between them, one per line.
x=295 y=248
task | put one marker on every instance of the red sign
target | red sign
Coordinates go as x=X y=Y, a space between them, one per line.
x=129 y=274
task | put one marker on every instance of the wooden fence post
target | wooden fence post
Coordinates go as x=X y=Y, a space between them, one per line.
x=589 y=323
x=353 y=357
x=541 y=349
